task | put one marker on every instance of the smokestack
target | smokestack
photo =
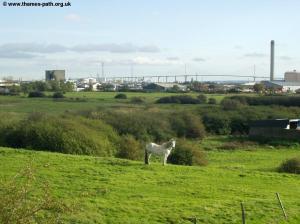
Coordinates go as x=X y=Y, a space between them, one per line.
x=272 y=61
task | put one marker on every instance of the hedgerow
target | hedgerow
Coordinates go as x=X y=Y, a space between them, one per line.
x=65 y=134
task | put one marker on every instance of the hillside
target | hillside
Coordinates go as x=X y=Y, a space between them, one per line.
x=108 y=190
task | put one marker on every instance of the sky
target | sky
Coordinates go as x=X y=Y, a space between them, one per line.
x=142 y=37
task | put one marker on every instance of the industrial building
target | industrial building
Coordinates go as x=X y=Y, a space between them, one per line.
x=293 y=76
x=164 y=87
x=57 y=75
x=291 y=81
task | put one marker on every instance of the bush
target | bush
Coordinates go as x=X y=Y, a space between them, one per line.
x=202 y=98
x=7 y=121
x=153 y=125
x=217 y=123
x=58 y=95
x=130 y=148
x=187 y=125
x=36 y=94
x=239 y=125
x=121 y=96
x=290 y=166
x=137 y=100
x=229 y=104
x=187 y=154
x=233 y=145
x=212 y=101
x=230 y=146
x=72 y=135
x=180 y=99
x=269 y=100
x=142 y=125
x=24 y=199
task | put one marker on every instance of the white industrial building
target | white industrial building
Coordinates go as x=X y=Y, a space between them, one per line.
x=291 y=82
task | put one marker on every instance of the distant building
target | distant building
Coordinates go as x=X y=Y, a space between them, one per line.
x=282 y=86
x=291 y=82
x=165 y=87
x=56 y=75
x=293 y=76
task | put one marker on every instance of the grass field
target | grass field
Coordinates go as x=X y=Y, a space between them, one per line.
x=75 y=101
x=108 y=190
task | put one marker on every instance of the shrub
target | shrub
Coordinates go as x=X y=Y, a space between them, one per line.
x=153 y=125
x=239 y=124
x=180 y=99
x=137 y=100
x=130 y=148
x=212 y=101
x=187 y=125
x=142 y=125
x=24 y=199
x=36 y=94
x=202 y=98
x=72 y=135
x=269 y=100
x=217 y=123
x=121 y=96
x=230 y=146
x=187 y=154
x=7 y=121
x=291 y=166
x=229 y=104
x=58 y=95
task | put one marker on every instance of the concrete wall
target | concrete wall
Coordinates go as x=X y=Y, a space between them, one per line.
x=274 y=133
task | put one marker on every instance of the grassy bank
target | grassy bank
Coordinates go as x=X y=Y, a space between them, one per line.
x=120 y=191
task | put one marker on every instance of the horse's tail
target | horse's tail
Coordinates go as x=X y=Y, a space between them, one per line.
x=146 y=157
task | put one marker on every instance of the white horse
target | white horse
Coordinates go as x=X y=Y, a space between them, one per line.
x=162 y=150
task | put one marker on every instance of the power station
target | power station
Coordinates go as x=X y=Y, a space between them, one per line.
x=291 y=81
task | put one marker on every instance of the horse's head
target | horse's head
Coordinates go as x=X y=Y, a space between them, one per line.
x=173 y=143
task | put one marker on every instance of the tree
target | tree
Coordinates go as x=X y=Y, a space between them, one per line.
x=202 y=98
x=258 y=87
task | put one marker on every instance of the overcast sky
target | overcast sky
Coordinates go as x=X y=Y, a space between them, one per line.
x=155 y=36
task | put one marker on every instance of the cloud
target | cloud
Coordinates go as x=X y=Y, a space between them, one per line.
x=30 y=50
x=173 y=58
x=286 y=58
x=115 y=48
x=149 y=48
x=152 y=61
x=255 y=55
x=73 y=17
x=16 y=55
x=238 y=47
x=139 y=61
x=198 y=59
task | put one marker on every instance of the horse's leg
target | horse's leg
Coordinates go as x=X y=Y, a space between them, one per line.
x=149 y=158
x=146 y=157
x=165 y=159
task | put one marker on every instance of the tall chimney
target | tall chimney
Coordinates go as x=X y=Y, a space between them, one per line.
x=272 y=61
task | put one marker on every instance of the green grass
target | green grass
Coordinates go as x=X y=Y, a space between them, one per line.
x=75 y=101
x=108 y=190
